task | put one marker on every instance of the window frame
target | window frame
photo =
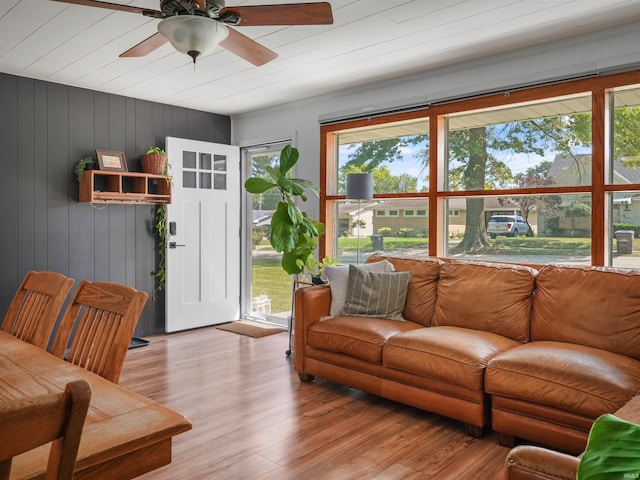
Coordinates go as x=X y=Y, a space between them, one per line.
x=599 y=87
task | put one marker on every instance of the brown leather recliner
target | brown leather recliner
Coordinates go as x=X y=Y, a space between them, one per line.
x=527 y=462
x=536 y=463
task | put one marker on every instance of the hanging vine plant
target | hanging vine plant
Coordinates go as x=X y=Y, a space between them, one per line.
x=160 y=229
x=161 y=233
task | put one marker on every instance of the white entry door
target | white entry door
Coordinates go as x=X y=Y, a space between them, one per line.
x=203 y=253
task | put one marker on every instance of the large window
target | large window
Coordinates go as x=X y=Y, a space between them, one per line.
x=542 y=175
x=555 y=229
x=392 y=225
x=624 y=171
x=538 y=144
x=397 y=154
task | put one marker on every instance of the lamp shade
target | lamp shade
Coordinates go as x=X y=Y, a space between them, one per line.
x=359 y=186
x=194 y=35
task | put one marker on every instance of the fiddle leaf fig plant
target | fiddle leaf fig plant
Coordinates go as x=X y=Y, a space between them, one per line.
x=293 y=233
x=613 y=450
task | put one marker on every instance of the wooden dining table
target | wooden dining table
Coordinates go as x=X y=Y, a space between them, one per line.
x=125 y=434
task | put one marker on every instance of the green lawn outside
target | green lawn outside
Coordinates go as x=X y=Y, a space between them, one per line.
x=268 y=277
x=540 y=246
x=349 y=244
x=502 y=245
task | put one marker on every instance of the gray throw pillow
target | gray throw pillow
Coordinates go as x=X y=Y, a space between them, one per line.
x=338 y=277
x=376 y=294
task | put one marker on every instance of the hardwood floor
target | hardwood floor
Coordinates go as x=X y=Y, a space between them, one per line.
x=253 y=419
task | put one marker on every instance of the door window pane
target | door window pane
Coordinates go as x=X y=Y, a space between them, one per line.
x=205 y=161
x=189 y=179
x=205 y=180
x=220 y=163
x=220 y=181
x=188 y=159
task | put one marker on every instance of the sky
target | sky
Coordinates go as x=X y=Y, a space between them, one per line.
x=413 y=164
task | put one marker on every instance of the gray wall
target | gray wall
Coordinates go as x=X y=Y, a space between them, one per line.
x=45 y=128
x=300 y=121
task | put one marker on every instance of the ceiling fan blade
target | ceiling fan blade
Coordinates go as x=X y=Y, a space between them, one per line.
x=113 y=6
x=146 y=46
x=315 y=13
x=247 y=48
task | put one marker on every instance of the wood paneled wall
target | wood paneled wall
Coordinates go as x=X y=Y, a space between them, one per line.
x=45 y=128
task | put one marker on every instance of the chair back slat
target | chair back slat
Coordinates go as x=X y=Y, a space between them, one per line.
x=33 y=307
x=34 y=310
x=31 y=422
x=97 y=327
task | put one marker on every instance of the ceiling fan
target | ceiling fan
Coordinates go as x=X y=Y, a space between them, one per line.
x=197 y=27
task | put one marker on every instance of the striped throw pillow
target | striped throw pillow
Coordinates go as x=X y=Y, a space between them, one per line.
x=376 y=294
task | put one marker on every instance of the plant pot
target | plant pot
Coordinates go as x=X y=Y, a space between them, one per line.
x=153 y=163
x=315 y=280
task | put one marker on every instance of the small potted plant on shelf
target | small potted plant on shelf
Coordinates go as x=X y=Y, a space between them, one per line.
x=85 y=164
x=154 y=161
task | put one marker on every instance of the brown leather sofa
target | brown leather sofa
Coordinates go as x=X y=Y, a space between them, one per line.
x=537 y=355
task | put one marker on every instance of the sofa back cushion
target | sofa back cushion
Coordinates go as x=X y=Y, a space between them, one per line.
x=485 y=296
x=421 y=291
x=593 y=306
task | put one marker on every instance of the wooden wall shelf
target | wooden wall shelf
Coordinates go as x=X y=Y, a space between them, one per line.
x=132 y=188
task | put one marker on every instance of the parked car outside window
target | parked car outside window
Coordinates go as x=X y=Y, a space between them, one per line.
x=509 y=226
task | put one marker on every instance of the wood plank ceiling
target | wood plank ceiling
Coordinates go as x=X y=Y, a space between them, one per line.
x=370 y=40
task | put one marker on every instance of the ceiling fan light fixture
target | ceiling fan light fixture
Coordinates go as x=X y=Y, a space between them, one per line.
x=193 y=35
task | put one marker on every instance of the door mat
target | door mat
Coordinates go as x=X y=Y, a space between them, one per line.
x=251 y=329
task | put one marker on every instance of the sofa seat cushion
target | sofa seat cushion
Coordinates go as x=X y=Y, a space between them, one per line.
x=358 y=337
x=450 y=354
x=578 y=379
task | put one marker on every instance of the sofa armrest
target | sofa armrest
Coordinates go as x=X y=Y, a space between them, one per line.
x=535 y=463
x=311 y=304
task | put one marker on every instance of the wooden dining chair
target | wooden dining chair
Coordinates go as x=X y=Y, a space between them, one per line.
x=34 y=309
x=30 y=422
x=97 y=327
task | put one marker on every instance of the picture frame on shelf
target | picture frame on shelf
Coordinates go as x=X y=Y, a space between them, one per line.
x=111 y=161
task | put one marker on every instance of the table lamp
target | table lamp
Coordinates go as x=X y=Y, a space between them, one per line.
x=359 y=187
